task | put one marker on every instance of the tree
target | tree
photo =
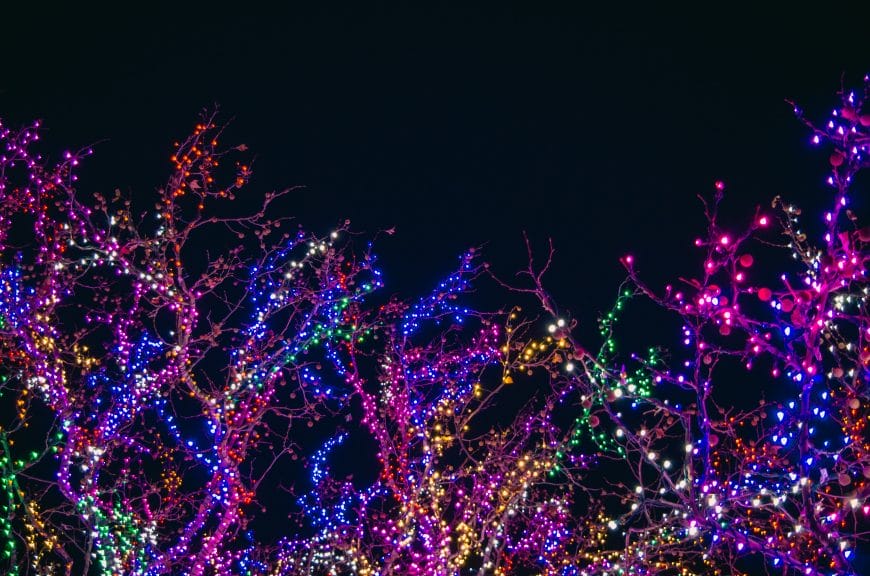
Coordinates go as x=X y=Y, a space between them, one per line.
x=204 y=387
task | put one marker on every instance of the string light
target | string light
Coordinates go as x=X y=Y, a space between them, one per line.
x=175 y=399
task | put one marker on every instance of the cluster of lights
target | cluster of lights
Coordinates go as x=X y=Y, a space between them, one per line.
x=178 y=389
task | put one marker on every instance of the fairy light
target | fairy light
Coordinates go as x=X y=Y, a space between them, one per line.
x=183 y=388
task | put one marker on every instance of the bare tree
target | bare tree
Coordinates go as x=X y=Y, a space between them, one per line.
x=204 y=387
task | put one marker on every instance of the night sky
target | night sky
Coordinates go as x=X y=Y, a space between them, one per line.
x=458 y=126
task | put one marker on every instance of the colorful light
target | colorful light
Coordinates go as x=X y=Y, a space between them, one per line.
x=161 y=403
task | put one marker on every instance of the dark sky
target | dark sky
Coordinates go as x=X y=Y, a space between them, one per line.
x=457 y=125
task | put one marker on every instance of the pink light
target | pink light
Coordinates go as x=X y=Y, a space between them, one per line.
x=762 y=221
